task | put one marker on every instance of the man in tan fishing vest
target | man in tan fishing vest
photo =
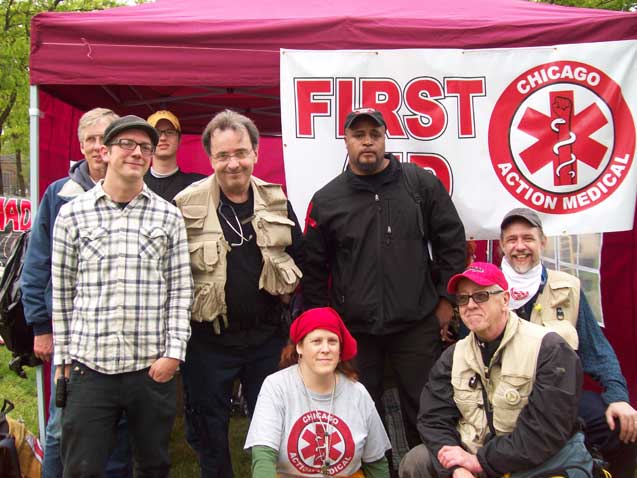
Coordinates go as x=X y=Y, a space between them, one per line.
x=555 y=299
x=501 y=400
x=245 y=251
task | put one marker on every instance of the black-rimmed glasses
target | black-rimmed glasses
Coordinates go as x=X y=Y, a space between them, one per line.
x=169 y=132
x=478 y=297
x=130 y=145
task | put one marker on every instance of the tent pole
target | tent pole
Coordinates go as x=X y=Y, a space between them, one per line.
x=34 y=141
x=34 y=187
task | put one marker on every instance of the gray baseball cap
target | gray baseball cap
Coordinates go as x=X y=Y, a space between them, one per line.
x=129 y=122
x=521 y=213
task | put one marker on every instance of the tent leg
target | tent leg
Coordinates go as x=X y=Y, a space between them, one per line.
x=34 y=188
x=39 y=382
x=490 y=251
x=34 y=151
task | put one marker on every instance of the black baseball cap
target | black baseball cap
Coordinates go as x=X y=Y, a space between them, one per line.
x=521 y=213
x=130 y=122
x=377 y=116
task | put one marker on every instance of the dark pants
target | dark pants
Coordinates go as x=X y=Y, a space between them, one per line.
x=619 y=455
x=209 y=374
x=119 y=464
x=95 y=403
x=411 y=354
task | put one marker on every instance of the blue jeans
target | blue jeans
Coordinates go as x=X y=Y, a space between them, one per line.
x=208 y=375
x=119 y=463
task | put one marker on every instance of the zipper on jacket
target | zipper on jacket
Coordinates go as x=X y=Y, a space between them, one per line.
x=379 y=259
x=388 y=231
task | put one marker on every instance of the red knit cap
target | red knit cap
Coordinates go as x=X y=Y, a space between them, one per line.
x=328 y=319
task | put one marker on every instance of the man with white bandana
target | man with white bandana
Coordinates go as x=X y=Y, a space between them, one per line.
x=555 y=299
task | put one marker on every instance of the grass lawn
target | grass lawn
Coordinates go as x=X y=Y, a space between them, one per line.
x=22 y=392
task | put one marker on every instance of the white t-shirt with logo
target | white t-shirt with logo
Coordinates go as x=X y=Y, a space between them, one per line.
x=285 y=421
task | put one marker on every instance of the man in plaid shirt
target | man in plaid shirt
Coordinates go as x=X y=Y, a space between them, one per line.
x=122 y=292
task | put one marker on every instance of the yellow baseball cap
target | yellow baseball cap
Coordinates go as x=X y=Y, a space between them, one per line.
x=164 y=114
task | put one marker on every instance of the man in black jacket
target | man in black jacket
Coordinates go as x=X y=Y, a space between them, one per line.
x=368 y=234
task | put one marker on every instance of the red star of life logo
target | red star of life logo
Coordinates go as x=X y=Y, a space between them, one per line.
x=583 y=136
x=564 y=138
x=308 y=448
x=317 y=443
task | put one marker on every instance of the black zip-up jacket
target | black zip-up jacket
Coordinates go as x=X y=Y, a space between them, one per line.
x=367 y=248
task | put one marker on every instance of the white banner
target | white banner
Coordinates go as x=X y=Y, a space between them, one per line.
x=550 y=128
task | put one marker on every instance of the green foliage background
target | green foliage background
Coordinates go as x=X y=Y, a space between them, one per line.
x=15 y=31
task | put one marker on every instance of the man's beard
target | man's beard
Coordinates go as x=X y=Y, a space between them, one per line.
x=370 y=167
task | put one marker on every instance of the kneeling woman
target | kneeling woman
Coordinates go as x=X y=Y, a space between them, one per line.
x=313 y=418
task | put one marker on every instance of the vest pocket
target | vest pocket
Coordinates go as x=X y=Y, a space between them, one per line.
x=280 y=275
x=472 y=425
x=510 y=397
x=194 y=216
x=564 y=329
x=203 y=255
x=209 y=305
x=273 y=229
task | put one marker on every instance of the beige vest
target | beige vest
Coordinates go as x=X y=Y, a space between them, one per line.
x=508 y=381
x=208 y=248
x=558 y=305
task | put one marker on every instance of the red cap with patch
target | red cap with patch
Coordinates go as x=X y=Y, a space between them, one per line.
x=482 y=273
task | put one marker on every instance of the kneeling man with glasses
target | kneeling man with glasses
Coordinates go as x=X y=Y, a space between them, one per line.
x=502 y=401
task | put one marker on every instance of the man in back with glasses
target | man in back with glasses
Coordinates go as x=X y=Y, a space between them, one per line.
x=245 y=252
x=164 y=176
x=122 y=292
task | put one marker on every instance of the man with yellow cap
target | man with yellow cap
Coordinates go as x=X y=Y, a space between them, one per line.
x=164 y=176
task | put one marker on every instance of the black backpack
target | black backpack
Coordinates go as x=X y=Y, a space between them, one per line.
x=16 y=333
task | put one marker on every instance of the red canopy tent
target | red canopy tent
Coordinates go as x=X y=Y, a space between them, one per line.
x=197 y=57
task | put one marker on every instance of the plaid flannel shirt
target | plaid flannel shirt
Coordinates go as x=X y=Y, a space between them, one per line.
x=122 y=287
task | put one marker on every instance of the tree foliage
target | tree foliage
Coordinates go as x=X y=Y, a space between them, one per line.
x=622 y=5
x=15 y=24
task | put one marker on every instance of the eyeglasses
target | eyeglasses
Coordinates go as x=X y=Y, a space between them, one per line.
x=239 y=154
x=478 y=297
x=129 y=145
x=169 y=132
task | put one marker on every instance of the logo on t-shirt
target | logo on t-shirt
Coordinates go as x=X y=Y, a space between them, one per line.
x=310 y=446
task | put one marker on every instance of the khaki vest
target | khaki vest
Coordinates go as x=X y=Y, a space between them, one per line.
x=508 y=381
x=558 y=305
x=208 y=248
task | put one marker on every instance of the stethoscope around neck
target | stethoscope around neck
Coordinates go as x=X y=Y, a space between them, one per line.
x=234 y=218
